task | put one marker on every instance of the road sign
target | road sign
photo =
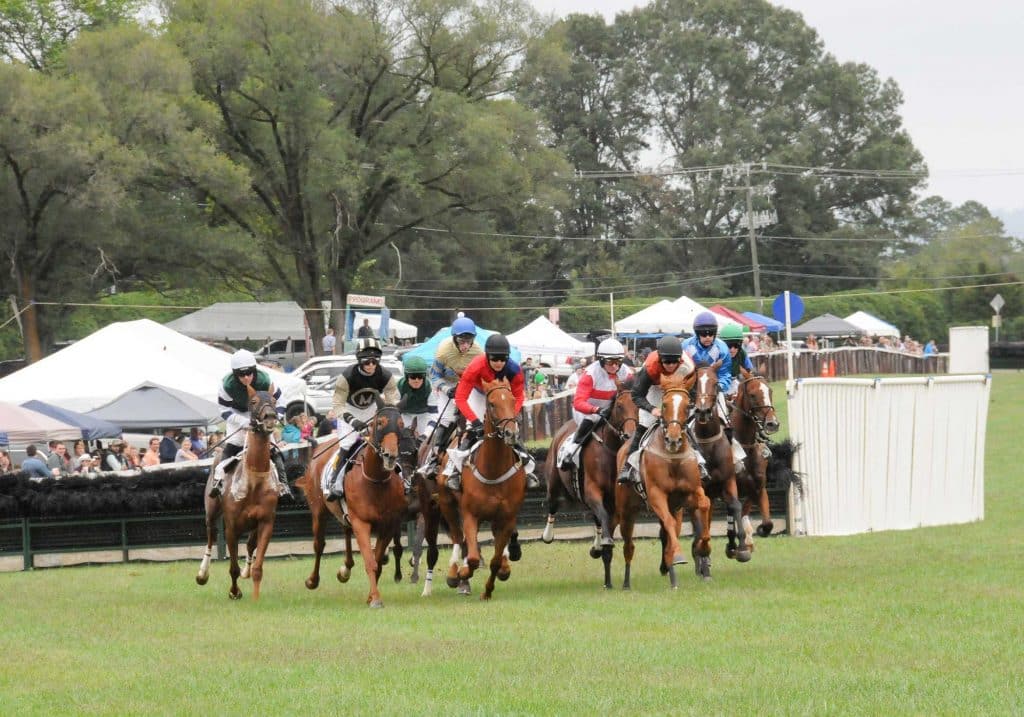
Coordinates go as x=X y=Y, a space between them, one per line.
x=997 y=303
x=796 y=308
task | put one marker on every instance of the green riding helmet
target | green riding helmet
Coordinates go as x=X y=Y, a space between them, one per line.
x=731 y=332
x=414 y=364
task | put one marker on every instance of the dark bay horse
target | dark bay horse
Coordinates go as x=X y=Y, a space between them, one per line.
x=493 y=489
x=593 y=483
x=248 y=500
x=671 y=477
x=374 y=497
x=709 y=431
x=753 y=419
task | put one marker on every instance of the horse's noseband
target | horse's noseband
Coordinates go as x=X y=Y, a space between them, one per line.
x=263 y=415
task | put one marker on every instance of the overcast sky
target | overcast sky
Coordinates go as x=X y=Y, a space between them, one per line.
x=960 y=65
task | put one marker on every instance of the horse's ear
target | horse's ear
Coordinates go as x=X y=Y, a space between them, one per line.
x=717 y=364
x=689 y=380
x=744 y=372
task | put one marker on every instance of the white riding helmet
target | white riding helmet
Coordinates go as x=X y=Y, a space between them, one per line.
x=242 y=359
x=610 y=349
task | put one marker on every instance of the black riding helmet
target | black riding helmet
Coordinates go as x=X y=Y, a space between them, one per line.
x=497 y=347
x=670 y=348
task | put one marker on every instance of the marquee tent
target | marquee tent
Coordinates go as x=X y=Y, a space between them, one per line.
x=770 y=324
x=91 y=428
x=150 y=405
x=100 y=367
x=738 y=318
x=428 y=348
x=545 y=341
x=826 y=326
x=23 y=425
x=396 y=329
x=872 y=325
x=687 y=309
x=655 y=320
x=243 y=320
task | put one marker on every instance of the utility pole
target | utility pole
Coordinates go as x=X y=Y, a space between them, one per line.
x=753 y=241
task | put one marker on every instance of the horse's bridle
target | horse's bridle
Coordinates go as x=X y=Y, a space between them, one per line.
x=703 y=414
x=262 y=413
x=756 y=412
x=501 y=425
x=391 y=415
x=668 y=424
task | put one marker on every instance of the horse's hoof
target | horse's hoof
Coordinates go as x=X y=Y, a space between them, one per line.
x=313 y=583
x=235 y=596
x=452 y=581
x=376 y=604
x=485 y=596
x=765 y=529
x=202 y=579
x=245 y=574
x=730 y=553
x=515 y=551
x=663 y=569
x=414 y=578
x=344 y=574
x=595 y=553
x=385 y=560
x=464 y=589
x=504 y=574
x=743 y=556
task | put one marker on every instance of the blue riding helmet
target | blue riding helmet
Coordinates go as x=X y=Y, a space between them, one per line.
x=463 y=325
x=705 y=320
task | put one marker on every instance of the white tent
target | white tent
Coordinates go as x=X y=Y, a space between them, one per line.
x=119 y=357
x=546 y=342
x=23 y=425
x=659 y=318
x=396 y=329
x=872 y=325
x=241 y=320
x=686 y=309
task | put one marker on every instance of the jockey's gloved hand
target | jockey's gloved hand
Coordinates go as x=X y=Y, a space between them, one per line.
x=477 y=429
x=451 y=392
x=605 y=412
x=357 y=424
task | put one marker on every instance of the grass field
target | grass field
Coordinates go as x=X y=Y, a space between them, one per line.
x=922 y=622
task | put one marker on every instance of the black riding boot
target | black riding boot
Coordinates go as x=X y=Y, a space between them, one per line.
x=336 y=486
x=282 y=473
x=227 y=451
x=442 y=435
x=627 y=474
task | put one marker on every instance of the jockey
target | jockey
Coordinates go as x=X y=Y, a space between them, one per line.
x=594 y=396
x=494 y=365
x=732 y=336
x=356 y=395
x=234 y=399
x=704 y=347
x=417 y=403
x=450 y=360
x=667 y=360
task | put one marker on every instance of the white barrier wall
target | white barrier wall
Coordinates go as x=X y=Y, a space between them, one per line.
x=889 y=453
x=968 y=349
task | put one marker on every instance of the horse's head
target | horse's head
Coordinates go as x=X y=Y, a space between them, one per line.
x=385 y=431
x=262 y=411
x=754 y=399
x=500 y=418
x=675 y=407
x=706 y=391
x=624 y=415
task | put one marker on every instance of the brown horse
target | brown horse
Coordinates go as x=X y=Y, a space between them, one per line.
x=248 y=500
x=671 y=477
x=374 y=497
x=753 y=419
x=493 y=489
x=709 y=432
x=593 y=483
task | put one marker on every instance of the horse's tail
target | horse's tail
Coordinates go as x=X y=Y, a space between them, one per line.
x=780 y=472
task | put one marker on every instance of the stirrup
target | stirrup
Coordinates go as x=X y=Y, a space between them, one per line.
x=216 y=488
x=532 y=481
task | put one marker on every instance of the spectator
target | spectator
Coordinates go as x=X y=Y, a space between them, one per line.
x=574 y=378
x=152 y=455
x=34 y=465
x=58 y=461
x=213 y=446
x=82 y=462
x=5 y=462
x=930 y=349
x=306 y=427
x=328 y=424
x=329 y=341
x=198 y=441
x=185 y=452
x=812 y=342
x=116 y=459
x=131 y=454
x=365 y=331
x=168 y=446
x=292 y=432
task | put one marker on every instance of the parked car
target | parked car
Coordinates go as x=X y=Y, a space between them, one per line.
x=286 y=353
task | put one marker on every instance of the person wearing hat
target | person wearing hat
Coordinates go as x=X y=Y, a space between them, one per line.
x=358 y=392
x=233 y=396
x=417 y=401
x=116 y=460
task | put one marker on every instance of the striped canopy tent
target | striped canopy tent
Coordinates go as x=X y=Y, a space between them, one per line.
x=770 y=324
x=19 y=425
x=737 y=317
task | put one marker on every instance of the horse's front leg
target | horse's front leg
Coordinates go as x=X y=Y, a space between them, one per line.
x=212 y=512
x=761 y=484
x=416 y=545
x=700 y=516
x=671 y=554
x=231 y=538
x=250 y=550
x=397 y=550
x=737 y=549
x=371 y=562
x=499 y=565
x=258 y=548
x=470 y=530
x=317 y=511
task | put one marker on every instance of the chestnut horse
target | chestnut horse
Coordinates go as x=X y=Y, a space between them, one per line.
x=493 y=489
x=753 y=419
x=374 y=497
x=709 y=432
x=671 y=476
x=426 y=490
x=248 y=499
x=593 y=483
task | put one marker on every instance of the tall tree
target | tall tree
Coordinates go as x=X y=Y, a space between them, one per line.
x=358 y=121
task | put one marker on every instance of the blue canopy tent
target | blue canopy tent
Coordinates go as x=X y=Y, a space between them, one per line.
x=92 y=427
x=770 y=324
x=428 y=349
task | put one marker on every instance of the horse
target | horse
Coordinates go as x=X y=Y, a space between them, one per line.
x=593 y=482
x=248 y=500
x=493 y=489
x=408 y=451
x=373 y=494
x=671 y=477
x=753 y=419
x=709 y=432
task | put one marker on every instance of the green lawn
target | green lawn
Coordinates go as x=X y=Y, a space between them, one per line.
x=922 y=622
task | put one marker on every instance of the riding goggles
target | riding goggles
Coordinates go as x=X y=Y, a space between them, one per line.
x=617 y=360
x=734 y=344
x=369 y=361
x=497 y=357
x=245 y=371
x=669 y=359
x=416 y=376
x=706 y=332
